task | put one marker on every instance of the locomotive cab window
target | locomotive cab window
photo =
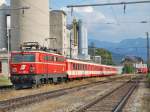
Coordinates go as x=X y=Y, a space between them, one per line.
x=51 y=58
x=60 y=59
x=23 y=58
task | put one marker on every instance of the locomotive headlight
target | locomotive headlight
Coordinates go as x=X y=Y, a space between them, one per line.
x=14 y=70
x=32 y=68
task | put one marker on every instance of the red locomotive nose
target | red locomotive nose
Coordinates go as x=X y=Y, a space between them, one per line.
x=23 y=67
x=14 y=70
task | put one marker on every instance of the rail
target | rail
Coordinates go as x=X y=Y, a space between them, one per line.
x=113 y=101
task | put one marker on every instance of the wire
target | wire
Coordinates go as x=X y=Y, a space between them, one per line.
x=115 y=16
x=105 y=4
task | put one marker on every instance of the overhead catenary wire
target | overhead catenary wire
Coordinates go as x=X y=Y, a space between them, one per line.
x=106 y=4
x=113 y=12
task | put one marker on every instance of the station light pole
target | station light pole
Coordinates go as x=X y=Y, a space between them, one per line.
x=148 y=52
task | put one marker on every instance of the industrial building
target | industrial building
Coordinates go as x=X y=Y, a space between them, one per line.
x=3 y=27
x=69 y=40
x=63 y=37
x=58 y=31
x=29 y=22
x=73 y=40
x=4 y=38
x=82 y=41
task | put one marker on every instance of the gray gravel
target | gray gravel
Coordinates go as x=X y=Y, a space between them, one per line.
x=70 y=102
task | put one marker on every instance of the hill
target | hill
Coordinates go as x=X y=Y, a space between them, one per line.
x=133 y=47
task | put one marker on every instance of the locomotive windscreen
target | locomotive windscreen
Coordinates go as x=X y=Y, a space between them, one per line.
x=23 y=58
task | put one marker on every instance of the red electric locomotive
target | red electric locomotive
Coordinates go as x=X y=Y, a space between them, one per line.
x=36 y=67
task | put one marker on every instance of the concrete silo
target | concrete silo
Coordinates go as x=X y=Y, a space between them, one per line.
x=29 y=25
x=82 y=40
x=3 y=27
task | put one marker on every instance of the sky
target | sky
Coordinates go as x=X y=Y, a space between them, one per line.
x=108 y=23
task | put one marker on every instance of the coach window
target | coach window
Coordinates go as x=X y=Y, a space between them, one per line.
x=83 y=67
x=71 y=66
x=80 y=67
x=45 y=58
x=51 y=58
x=77 y=67
x=74 y=66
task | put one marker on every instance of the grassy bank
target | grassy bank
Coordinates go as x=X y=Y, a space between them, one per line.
x=4 y=81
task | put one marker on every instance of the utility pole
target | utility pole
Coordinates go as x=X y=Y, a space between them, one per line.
x=70 y=47
x=93 y=50
x=8 y=49
x=148 y=53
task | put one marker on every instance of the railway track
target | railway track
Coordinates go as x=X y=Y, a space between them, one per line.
x=26 y=100
x=113 y=101
x=4 y=89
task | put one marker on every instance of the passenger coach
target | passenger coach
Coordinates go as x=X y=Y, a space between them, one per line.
x=77 y=69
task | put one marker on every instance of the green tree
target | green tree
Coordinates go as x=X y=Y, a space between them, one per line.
x=105 y=55
x=128 y=68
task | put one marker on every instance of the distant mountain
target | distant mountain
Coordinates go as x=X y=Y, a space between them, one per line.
x=117 y=58
x=132 y=47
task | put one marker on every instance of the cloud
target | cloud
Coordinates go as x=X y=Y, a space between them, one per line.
x=89 y=15
x=84 y=10
x=2 y=2
x=122 y=25
x=79 y=10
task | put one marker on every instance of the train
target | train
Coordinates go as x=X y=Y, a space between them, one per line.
x=34 y=68
x=141 y=68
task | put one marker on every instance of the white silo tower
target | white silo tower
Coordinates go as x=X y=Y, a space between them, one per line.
x=82 y=41
x=3 y=27
x=30 y=24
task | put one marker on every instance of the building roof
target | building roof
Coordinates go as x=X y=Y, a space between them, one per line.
x=60 y=11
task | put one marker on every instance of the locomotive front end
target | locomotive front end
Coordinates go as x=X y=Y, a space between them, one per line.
x=23 y=69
